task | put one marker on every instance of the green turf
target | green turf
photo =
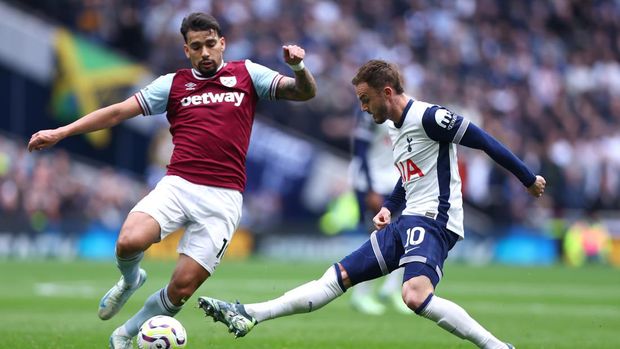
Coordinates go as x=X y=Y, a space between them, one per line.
x=53 y=305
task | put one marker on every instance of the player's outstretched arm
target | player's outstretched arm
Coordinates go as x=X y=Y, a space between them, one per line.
x=477 y=138
x=303 y=86
x=538 y=188
x=96 y=120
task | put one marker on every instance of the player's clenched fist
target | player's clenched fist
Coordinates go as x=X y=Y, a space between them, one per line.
x=538 y=188
x=293 y=54
x=382 y=218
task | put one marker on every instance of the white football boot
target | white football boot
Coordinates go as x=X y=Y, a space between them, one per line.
x=118 y=341
x=117 y=296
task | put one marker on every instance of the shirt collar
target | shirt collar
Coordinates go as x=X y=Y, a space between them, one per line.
x=199 y=76
x=404 y=114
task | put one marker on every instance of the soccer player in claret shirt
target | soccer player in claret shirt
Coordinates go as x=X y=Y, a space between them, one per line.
x=210 y=108
x=424 y=138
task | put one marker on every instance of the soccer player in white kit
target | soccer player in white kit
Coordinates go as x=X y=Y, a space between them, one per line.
x=210 y=108
x=424 y=137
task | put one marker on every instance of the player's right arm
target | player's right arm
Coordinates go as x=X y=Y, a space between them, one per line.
x=97 y=120
x=303 y=86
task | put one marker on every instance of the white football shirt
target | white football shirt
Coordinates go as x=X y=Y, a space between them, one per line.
x=424 y=151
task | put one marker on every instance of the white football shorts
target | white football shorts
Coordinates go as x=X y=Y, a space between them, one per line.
x=210 y=216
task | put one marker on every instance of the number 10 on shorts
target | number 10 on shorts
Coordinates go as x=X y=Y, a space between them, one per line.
x=415 y=236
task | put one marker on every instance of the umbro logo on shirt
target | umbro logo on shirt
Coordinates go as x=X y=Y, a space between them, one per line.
x=190 y=86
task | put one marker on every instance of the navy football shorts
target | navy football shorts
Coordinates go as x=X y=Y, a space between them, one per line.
x=419 y=244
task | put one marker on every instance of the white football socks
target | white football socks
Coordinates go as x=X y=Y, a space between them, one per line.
x=454 y=319
x=302 y=299
x=157 y=304
x=130 y=268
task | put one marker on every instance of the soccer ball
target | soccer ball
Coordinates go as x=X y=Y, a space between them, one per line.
x=161 y=332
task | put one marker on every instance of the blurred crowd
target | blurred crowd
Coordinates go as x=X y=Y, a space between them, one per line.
x=52 y=192
x=541 y=76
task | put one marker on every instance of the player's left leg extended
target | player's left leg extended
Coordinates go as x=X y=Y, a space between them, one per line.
x=365 y=263
x=241 y=318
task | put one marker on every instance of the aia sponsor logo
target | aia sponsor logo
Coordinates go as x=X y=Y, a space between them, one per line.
x=408 y=170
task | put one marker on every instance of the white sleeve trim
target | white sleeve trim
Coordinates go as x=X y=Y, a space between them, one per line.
x=461 y=131
x=273 y=88
x=143 y=103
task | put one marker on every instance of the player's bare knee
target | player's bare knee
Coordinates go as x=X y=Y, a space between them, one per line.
x=415 y=293
x=413 y=299
x=132 y=241
x=126 y=246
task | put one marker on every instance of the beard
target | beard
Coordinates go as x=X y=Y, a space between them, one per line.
x=379 y=119
x=207 y=71
x=380 y=116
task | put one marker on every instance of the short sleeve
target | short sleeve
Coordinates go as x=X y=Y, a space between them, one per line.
x=264 y=79
x=153 y=98
x=442 y=125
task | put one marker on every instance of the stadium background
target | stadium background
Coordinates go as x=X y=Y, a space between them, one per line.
x=541 y=76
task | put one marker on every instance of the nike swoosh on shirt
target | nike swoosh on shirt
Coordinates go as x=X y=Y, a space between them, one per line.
x=411 y=249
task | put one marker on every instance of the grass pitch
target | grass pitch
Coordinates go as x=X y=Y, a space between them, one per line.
x=53 y=305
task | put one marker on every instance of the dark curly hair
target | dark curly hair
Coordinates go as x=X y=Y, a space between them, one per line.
x=199 y=21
